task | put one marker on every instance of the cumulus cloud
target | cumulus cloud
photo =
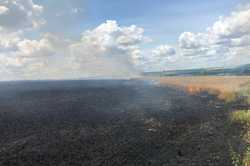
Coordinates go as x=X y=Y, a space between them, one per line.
x=8 y=41
x=108 y=50
x=221 y=39
x=16 y=15
x=158 y=58
x=25 y=56
x=164 y=51
x=234 y=26
x=227 y=41
x=3 y=10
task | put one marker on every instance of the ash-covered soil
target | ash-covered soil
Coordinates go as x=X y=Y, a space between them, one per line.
x=109 y=123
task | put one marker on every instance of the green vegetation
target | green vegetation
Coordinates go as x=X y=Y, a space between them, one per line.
x=242 y=116
x=240 y=151
x=245 y=92
x=239 y=127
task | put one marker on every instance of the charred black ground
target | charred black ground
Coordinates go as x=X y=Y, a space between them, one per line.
x=109 y=123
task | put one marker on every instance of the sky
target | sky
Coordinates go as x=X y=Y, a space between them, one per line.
x=76 y=39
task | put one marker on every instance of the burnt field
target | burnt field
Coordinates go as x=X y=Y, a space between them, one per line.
x=122 y=122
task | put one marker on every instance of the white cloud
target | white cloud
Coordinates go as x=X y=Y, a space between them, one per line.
x=221 y=38
x=8 y=41
x=108 y=50
x=226 y=42
x=16 y=15
x=29 y=59
x=164 y=51
x=3 y=10
x=234 y=26
x=105 y=51
x=158 y=58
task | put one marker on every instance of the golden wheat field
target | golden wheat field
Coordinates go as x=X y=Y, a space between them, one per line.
x=223 y=86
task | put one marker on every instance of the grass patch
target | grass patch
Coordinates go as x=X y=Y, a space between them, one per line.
x=245 y=92
x=242 y=116
x=241 y=152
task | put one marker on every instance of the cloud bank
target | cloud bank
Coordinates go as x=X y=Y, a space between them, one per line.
x=110 y=50
x=107 y=51
x=225 y=43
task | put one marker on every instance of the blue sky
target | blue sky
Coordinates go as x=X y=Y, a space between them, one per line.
x=162 y=20
x=67 y=39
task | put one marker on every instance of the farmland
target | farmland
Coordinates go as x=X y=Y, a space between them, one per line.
x=225 y=87
x=234 y=92
x=119 y=122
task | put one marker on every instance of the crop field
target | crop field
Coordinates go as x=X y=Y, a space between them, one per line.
x=235 y=92
x=225 y=87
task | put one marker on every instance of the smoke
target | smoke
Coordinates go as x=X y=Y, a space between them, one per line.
x=107 y=51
